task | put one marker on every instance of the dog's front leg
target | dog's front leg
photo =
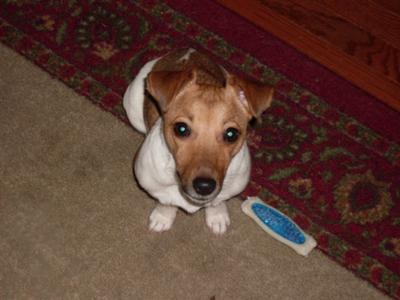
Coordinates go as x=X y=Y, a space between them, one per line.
x=217 y=218
x=162 y=217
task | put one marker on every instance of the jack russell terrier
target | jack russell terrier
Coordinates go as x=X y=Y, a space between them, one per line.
x=194 y=115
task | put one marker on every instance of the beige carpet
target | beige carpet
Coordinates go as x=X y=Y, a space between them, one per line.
x=73 y=223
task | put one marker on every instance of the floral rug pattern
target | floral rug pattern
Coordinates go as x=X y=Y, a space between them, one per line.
x=334 y=176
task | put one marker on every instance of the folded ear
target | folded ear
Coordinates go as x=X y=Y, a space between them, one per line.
x=164 y=85
x=256 y=97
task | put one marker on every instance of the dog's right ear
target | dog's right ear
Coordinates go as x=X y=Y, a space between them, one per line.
x=163 y=86
x=256 y=97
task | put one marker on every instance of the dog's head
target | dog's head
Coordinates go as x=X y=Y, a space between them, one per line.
x=205 y=124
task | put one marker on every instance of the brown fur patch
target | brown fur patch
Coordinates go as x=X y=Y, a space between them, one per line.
x=210 y=72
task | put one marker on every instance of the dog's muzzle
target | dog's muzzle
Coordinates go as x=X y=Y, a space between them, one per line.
x=201 y=191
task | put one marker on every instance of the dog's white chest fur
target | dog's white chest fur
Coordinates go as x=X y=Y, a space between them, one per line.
x=155 y=170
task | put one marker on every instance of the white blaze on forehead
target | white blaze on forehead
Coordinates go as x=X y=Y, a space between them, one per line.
x=242 y=97
x=243 y=100
x=187 y=55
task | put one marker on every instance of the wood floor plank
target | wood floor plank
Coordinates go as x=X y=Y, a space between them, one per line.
x=318 y=31
x=365 y=14
x=391 y=5
x=340 y=33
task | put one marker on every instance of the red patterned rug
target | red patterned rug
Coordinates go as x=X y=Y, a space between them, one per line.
x=325 y=153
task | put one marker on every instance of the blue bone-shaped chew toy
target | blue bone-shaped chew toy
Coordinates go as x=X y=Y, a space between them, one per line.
x=278 y=225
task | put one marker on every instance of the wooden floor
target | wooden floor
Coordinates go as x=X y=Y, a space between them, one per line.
x=359 y=40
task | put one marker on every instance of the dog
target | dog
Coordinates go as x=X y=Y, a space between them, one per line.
x=194 y=115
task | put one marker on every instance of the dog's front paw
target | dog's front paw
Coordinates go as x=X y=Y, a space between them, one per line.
x=217 y=218
x=162 y=218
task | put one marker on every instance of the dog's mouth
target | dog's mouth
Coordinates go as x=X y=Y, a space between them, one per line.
x=196 y=199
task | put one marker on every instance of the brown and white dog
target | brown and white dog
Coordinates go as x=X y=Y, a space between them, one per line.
x=195 y=116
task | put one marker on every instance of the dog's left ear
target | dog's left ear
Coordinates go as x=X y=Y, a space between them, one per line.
x=164 y=85
x=256 y=97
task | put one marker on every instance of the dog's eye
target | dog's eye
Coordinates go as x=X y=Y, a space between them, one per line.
x=181 y=129
x=231 y=135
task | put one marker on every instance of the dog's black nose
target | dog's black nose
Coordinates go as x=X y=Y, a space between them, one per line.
x=204 y=186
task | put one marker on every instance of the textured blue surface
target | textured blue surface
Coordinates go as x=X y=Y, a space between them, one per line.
x=279 y=223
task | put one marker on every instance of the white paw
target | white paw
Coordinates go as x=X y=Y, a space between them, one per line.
x=217 y=218
x=162 y=218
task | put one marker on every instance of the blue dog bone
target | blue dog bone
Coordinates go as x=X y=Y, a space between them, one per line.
x=278 y=225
